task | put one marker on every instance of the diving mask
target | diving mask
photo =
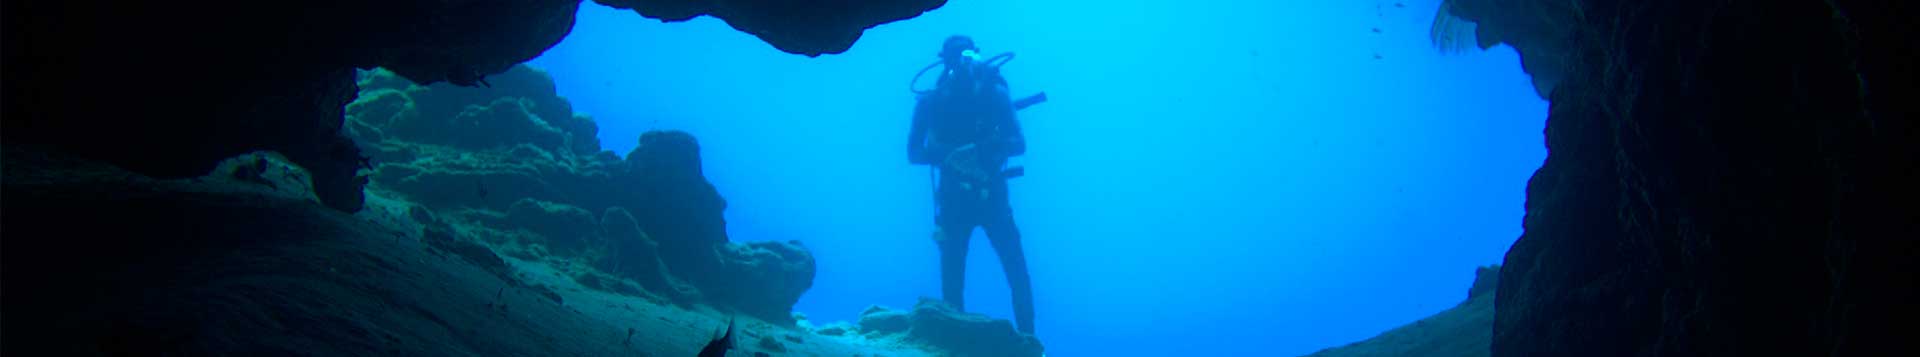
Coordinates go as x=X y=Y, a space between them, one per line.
x=970 y=56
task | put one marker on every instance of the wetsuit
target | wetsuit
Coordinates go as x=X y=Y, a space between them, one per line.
x=972 y=193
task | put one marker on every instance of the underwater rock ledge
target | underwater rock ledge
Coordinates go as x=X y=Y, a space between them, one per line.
x=1465 y=330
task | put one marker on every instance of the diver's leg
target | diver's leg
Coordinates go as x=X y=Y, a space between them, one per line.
x=952 y=239
x=1005 y=237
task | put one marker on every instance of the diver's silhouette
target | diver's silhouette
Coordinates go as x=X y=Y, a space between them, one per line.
x=965 y=129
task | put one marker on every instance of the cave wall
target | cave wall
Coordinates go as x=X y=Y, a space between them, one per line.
x=168 y=89
x=1722 y=179
x=809 y=28
x=513 y=168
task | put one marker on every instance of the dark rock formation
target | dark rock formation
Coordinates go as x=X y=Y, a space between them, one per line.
x=678 y=207
x=565 y=226
x=169 y=89
x=433 y=145
x=521 y=106
x=222 y=267
x=763 y=279
x=633 y=255
x=1538 y=26
x=936 y=325
x=808 y=27
x=269 y=170
x=1462 y=331
x=835 y=329
x=661 y=221
x=1486 y=280
x=882 y=320
x=1723 y=179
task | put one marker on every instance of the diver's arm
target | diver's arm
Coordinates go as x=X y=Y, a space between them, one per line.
x=917 y=150
x=1008 y=142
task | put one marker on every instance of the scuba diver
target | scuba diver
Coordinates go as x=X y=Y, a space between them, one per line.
x=965 y=130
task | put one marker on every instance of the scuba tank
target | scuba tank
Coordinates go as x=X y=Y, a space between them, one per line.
x=993 y=63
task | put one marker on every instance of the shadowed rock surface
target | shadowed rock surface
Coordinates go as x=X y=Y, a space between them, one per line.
x=539 y=192
x=219 y=267
x=1465 y=330
x=1541 y=27
x=765 y=278
x=808 y=27
x=240 y=263
x=1722 y=179
x=483 y=246
x=193 y=83
x=935 y=324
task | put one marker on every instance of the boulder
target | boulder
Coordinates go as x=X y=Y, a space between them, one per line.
x=675 y=204
x=882 y=320
x=266 y=170
x=936 y=325
x=763 y=279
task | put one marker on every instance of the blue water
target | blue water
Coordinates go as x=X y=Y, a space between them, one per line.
x=1240 y=178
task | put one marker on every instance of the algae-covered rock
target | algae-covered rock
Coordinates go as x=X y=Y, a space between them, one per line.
x=763 y=278
x=267 y=170
x=880 y=319
x=503 y=121
x=937 y=325
x=517 y=148
x=521 y=107
x=676 y=205
x=381 y=107
x=634 y=255
x=444 y=178
x=564 y=226
x=841 y=328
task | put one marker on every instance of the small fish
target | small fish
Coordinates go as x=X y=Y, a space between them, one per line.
x=1376 y=56
x=480 y=189
x=1376 y=30
x=719 y=346
x=1399 y=5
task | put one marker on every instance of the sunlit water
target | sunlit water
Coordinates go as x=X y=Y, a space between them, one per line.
x=1237 y=178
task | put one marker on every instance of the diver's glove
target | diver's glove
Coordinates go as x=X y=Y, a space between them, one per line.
x=965 y=160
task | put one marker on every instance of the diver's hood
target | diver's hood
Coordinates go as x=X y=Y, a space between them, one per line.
x=988 y=65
